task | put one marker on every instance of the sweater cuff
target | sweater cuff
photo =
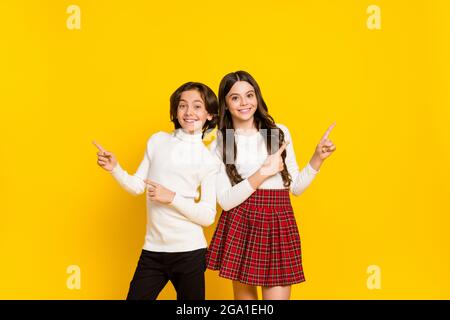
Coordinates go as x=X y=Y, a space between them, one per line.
x=311 y=169
x=247 y=187
x=177 y=201
x=116 y=169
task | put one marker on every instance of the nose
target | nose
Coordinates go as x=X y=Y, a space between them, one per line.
x=244 y=101
x=189 y=111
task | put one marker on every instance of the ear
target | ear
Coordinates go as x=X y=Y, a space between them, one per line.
x=209 y=117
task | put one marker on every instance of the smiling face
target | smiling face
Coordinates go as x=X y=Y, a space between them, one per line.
x=241 y=102
x=191 y=111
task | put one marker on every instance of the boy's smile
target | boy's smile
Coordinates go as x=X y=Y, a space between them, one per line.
x=192 y=113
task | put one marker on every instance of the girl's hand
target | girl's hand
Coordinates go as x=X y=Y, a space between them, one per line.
x=106 y=159
x=159 y=193
x=325 y=147
x=274 y=162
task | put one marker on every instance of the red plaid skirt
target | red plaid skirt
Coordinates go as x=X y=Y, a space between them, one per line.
x=257 y=242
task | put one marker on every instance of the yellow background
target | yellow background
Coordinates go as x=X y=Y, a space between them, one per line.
x=381 y=199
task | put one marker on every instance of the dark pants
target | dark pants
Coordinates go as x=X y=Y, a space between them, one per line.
x=186 y=271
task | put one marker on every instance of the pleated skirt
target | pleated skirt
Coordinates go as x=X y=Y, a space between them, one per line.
x=258 y=242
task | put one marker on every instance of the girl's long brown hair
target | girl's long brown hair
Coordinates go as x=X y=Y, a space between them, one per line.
x=262 y=120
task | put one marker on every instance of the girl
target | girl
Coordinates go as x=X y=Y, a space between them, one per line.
x=173 y=168
x=256 y=242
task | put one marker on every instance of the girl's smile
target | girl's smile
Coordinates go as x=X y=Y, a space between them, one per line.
x=245 y=111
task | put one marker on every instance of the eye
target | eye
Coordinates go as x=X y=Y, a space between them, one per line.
x=250 y=95
x=181 y=106
x=198 y=107
x=234 y=98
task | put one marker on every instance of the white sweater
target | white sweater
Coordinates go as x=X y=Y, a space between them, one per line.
x=250 y=155
x=180 y=162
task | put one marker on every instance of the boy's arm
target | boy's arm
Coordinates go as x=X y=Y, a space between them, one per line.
x=203 y=212
x=134 y=184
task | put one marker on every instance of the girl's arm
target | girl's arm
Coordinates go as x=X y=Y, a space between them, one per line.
x=229 y=196
x=300 y=179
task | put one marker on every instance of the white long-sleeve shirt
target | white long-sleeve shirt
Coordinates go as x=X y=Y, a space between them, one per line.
x=250 y=155
x=180 y=162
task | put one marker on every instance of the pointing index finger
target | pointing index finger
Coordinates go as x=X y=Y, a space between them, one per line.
x=99 y=147
x=325 y=136
x=283 y=147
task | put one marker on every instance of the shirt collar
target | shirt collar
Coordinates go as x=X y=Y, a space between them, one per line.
x=184 y=136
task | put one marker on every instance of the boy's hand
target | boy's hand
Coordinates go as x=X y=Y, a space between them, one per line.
x=159 y=193
x=105 y=159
